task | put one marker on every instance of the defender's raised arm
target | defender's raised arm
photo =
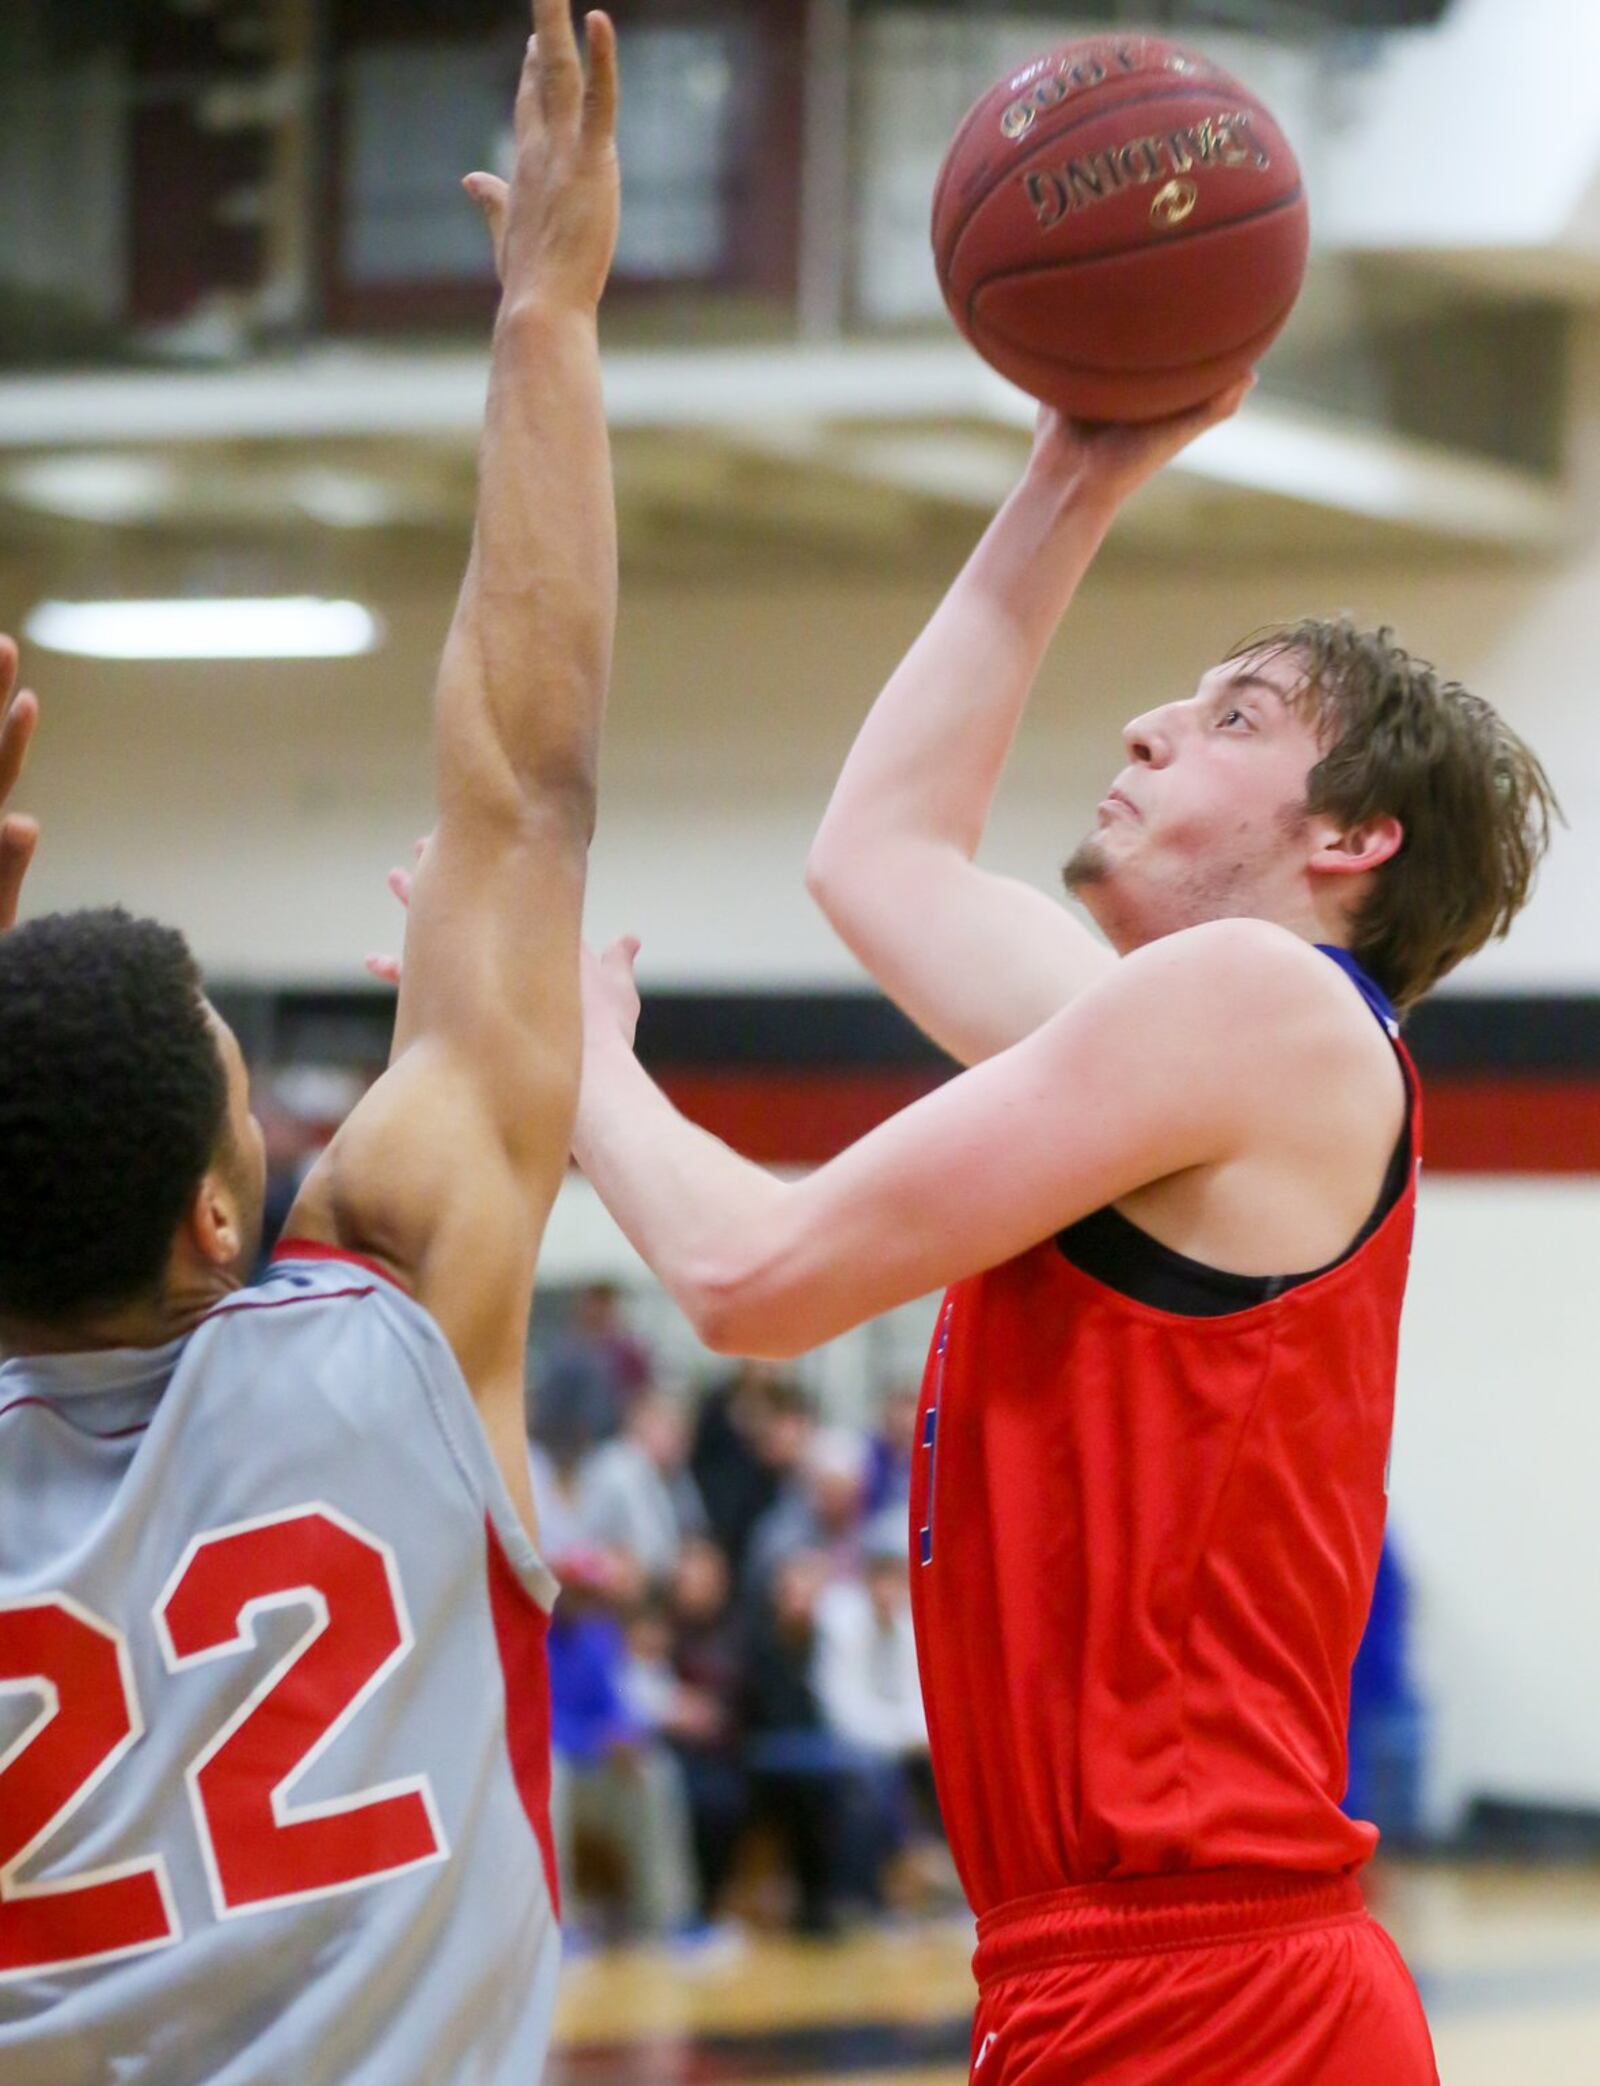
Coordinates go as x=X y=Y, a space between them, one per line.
x=448 y=1169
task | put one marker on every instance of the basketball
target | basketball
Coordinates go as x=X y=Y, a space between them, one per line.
x=1120 y=228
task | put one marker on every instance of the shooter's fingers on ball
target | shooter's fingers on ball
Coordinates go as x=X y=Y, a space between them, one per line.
x=1227 y=403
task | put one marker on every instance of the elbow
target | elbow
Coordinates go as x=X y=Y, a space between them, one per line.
x=826 y=876
x=734 y=1312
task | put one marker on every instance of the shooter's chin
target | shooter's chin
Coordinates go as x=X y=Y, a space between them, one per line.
x=1086 y=866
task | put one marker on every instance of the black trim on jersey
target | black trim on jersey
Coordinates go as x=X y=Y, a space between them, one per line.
x=1116 y=1252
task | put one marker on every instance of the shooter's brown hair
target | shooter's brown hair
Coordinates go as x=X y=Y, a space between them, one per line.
x=1471 y=797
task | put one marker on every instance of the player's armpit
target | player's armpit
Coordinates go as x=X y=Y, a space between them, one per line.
x=1142 y=1077
x=419 y=1179
x=446 y=1171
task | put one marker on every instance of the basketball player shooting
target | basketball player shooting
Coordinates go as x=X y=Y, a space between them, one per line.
x=274 y=1733
x=1171 y=1201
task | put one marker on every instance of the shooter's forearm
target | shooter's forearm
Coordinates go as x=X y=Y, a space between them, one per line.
x=928 y=759
x=695 y=1211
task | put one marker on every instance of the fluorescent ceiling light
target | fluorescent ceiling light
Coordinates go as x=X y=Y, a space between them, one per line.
x=289 y=627
x=96 y=488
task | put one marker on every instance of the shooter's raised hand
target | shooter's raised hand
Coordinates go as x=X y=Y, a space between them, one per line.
x=554 y=224
x=1113 y=459
x=19 y=836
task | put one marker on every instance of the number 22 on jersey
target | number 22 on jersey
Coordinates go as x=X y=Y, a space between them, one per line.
x=259 y=1850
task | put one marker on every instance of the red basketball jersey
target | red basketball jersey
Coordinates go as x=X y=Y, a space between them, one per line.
x=1143 y=1551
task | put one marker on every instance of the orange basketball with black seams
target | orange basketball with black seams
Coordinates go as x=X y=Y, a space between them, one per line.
x=1120 y=228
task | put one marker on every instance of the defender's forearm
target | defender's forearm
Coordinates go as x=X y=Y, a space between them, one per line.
x=928 y=759
x=528 y=660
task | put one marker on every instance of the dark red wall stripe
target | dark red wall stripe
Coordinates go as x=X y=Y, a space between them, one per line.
x=800 y=1118
x=1479 y=1125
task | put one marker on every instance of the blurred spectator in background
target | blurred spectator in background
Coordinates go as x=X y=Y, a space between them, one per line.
x=890 y=1449
x=866 y=1682
x=749 y=1440
x=635 y=1493
x=1387 y=1725
x=701 y=1725
x=299 y=1107
x=821 y=1512
x=592 y=1372
x=867 y=1652
x=797 y=1780
x=613 y=1780
x=556 y=1466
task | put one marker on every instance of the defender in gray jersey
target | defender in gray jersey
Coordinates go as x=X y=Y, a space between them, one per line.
x=274 y=1727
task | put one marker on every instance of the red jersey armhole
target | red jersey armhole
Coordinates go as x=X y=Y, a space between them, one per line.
x=522 y=1632
x=313 y=1249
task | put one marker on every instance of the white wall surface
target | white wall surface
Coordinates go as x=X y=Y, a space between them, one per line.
x=258 y=807
x=1495 y=1487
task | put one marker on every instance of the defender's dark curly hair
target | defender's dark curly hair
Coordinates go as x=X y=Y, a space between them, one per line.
x=112 y=1103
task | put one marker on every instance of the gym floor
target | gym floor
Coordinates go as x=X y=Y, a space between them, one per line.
x=1508 y=1960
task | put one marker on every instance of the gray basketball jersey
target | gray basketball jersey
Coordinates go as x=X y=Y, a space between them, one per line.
x=274 y=1710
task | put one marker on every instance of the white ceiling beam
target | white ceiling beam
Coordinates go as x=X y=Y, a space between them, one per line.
x=871 y=402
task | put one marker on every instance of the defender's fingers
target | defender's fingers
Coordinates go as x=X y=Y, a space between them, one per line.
x=488 y=191
x=399 y=881
x=18 y=839
x=490 y=195
x=16 y=732
x=600 y=96
x=385 y=968
x=8 y=668
x=528 y=114
x=560 y=75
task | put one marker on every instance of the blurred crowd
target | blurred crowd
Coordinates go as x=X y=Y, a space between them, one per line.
x=736 y=1718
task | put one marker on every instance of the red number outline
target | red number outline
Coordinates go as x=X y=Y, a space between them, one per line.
x=153 y=1866
x=244 y=1639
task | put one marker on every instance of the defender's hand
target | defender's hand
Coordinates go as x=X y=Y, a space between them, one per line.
x=1112 y=459
x=19 y=836
x=554 y=224
x=610 y=996
x=389 y=968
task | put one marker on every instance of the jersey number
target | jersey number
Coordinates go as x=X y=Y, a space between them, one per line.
x=77 y=1668
x=259 y=1850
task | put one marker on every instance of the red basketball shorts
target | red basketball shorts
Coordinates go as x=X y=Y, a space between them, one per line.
x=1249 y=1978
